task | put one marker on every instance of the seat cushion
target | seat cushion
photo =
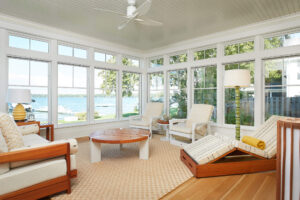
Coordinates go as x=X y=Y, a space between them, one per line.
x=181 y=128
x=10 y=132
x=29 y=175
x=29 y=129
x=33 y=139
x=143 y=122
x=3 y=148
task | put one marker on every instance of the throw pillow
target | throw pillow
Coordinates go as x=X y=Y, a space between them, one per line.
x=3 y=149
x=10 y=132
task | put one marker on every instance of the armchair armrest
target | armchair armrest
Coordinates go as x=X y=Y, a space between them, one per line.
x=44 y=152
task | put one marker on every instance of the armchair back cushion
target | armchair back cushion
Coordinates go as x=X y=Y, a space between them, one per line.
x=153 y=110
x=3 y=148
x=10 y=132
x=200 y=113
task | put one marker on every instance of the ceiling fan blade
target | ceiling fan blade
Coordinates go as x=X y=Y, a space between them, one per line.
x=109 y=11
x=143 y=8
x=148 y=22
x=121 y=26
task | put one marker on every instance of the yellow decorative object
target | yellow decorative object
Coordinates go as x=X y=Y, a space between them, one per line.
x=254 y=142
x=19 y=112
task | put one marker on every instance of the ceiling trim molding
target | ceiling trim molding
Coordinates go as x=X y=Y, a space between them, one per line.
x=40 y=30
x=261 y=28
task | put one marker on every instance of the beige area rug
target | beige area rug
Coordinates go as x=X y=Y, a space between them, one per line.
x=122 y=175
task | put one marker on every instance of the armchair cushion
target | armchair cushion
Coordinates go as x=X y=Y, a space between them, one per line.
x=29 y=129
x=29 y=175
x=10 y=132
x=142 y=122
x=181 y=128
x=3 y=148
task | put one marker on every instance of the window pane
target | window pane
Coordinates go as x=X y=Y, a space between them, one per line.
x=80 y=53
x=178 y=95
x=100 y=57
x=210 y=53
x=246 y=98
x=157 y=62
x=36 y=45
x=18 y=71
x=65 y=75
x=38 y=73
x=178 y=58
x=18 y=42
x=205 y=77
x=239 y=48
x=110 y=59
x=130 y=94
x=105 y=94
x=282 y=91
x=231 y=49
x=282 y=41
x=80 y=77
x=135 y=63
x=130 y=62
x=72 y=105
x=156 y=87
x=65 y=50
x=39 y=105
x=207 y=96
x=199 y=55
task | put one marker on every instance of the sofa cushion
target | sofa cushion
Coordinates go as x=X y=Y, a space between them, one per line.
x=10 y=132
x=33 y=139
x=3 y=148
x=29 y=175
x=29 y=129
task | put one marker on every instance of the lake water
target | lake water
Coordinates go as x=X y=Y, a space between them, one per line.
x=70 y=105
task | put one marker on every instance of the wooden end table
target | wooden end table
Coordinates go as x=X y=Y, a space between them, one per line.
x=119 y=136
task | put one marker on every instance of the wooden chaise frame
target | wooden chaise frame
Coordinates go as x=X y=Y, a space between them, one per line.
x=218 y=168
x=45 y=188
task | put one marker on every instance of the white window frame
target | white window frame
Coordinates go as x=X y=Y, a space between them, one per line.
x=73 y=46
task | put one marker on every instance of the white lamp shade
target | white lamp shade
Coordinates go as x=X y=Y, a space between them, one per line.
x=19 y=96
x=237 y=77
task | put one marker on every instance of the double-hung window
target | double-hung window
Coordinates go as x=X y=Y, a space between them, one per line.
x=156 y=87
x=205 y=87
x=131 y=88
x=72 y=94
x=105 y=99
x=33 y=75
x=246 y=98
x=282 y=87
x=178 y=93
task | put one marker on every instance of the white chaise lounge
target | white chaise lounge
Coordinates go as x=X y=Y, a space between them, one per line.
x=205 y=157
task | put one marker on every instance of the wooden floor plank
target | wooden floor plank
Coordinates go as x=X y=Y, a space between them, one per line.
x=249 y=186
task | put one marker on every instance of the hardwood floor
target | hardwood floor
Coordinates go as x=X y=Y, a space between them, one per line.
x=258 y=186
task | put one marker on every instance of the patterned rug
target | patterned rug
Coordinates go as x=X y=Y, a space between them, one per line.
x=122 y=175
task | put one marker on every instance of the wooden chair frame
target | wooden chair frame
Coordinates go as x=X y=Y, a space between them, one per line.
x=217 y=168
x=45 y=188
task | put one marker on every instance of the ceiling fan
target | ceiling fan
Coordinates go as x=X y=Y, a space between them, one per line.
x=134 y=14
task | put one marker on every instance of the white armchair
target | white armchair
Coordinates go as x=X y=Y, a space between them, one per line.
x=195 y=126
x=149 y=119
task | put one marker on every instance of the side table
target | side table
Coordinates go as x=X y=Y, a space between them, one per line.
x=165 y=127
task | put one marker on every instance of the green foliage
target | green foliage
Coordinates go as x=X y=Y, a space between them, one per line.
x=130 y=82
x=178 y=58
x=157 y=62
x=273 y=42
x=109 y=82
x=239 y=48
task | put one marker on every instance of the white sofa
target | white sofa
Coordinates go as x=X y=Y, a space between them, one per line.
x=39 y=168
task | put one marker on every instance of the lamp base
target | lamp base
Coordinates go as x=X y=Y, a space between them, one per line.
x=19 y=113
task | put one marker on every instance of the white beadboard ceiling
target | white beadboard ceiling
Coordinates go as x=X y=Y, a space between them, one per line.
x=183 y=19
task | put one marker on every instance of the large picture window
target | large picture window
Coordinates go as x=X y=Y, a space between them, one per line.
x=105 y=94
x=130 y=94
x=205 y=87
x=177 y=93
x=156 y=87
x=246 y=98
x=282 y=87
x=33 y=75
x=72 y=94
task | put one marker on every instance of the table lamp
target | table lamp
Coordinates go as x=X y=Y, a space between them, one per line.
x=237 y=78
x=19 y=96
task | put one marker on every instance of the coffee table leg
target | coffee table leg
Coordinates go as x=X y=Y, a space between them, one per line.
x=144 y=149
x=95 y=151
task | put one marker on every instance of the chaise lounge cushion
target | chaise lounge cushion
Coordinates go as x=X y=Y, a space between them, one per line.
x=29 y=175
x=10 y=132
x=3 y=148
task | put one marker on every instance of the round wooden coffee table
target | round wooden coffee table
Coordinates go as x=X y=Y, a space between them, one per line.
x=119 y=136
